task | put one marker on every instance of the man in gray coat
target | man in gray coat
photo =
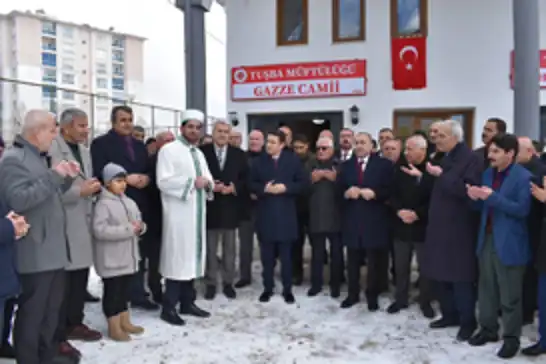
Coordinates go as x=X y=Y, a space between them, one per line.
x=77 y=201
x=31 y=187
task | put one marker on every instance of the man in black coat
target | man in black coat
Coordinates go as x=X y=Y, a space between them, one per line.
x=154 y=221
x=492 y=127
x=410 y=201
x=528 y=159
x=120 y=147
x=228 y=167
x=247 y=211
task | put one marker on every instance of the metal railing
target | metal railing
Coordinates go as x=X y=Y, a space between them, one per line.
x=18 y=96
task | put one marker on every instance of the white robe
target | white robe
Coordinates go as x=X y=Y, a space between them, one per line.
x=183 y=250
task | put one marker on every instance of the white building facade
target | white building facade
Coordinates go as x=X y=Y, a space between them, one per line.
x=282 y=54
x=37 y=48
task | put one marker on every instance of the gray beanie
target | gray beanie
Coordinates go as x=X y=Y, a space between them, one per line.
x=112 y=171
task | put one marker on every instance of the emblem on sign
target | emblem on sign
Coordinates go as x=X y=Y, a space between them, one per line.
x=240 y=75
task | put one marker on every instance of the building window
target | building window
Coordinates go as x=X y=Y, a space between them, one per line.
x=406 y=122
x=117 y=56
x=49 y=92
x=67 y=64
x=348 y=23
x=49 y=28
x=49 y=44
x=118 y=41
x=102 y=82
x=49 y=75
x=49 y=59
x=68 y=32
x=68 y=79
x=117 y=70
x=101 y=68
x=102 y=98
x=69 y=95
x=292 y=22
x=409 y=18
x=118 y=83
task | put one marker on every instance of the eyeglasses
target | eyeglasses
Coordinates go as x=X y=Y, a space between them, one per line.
x=322 y=148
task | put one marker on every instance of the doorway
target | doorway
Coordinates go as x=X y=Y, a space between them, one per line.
x=309 y=124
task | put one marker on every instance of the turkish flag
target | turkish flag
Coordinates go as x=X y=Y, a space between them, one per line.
x=409 y=63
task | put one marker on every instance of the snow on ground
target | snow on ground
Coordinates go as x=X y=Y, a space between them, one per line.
x=313 y=331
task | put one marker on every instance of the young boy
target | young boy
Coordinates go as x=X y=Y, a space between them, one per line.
x=117 y=225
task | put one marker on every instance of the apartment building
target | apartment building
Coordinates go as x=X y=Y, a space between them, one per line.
x=38 y=48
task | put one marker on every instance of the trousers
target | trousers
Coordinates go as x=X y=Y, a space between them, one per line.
x=268 y=256
x=318 y=253
x=38 y=316
x=178 y=292
x=457 y=302
x=227 y=238
x=71 y=313
x=246 y=248
x=115 y=298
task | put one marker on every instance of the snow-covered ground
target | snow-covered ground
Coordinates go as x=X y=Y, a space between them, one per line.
x=315 y=330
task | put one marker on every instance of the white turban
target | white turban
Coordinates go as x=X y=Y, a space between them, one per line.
x=192 y=115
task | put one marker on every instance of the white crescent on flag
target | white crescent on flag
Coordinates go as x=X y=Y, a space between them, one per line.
x=411 y=49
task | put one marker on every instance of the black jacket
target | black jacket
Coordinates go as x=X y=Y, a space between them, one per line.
x=536 y=214
x=247 y=205
x=411 y=193
x=223 y=212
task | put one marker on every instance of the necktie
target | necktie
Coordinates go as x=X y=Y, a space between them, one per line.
x=344 y=156
x=361 y=168
x=220 y=156
x=129 y=146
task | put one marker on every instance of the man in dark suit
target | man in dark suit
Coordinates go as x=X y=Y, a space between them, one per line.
x=154 y=221
x=365 y=180
x=120 y=147
x=247 y=212
x=449 y=250
x=346 y=144
x=528 y=159
x=228 y=167
x=277 y=178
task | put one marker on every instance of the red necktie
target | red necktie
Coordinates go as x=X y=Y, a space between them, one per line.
x=360 y=171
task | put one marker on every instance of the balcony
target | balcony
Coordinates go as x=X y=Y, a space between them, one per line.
x=49 y=44
x=49 y=28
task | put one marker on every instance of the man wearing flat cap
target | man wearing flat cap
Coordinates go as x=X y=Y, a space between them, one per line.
x=185 y=182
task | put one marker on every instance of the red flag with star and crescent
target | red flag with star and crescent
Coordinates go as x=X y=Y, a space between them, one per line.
x=409 y=63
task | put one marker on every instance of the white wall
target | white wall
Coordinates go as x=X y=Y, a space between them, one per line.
x=468 y=47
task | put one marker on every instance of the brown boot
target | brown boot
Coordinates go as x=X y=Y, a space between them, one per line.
x=115 y=331
x=127 y=326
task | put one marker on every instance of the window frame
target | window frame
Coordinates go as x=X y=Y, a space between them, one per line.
x=336 y=23
x=440 y=114
x=394 y=20
x=280 y=29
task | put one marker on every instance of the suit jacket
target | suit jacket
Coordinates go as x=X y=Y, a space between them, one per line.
x=32 y=189
x=276 y=219
x=534 y=220
x=112 y=148
x=411 y=193
x=366 y=224
x=154 y=211
x=78 y=209
x=510 y=206
x=247 y=205
x=223 y=210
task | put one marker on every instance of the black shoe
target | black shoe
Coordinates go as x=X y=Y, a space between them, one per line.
x=443 y=323
x=242 y=283
x=373 y=304
x=313 y=291
x=349 y=302
x=396 y=307
x=210 y=292
x=193 y=310
x=6 y=351
x=171 y=317
x=145 y=304
x=534 y=350
x=90 y=298
x=288 y=297
x=335 y=292
x=265 y=296
x=509 y=348
x=427 y=310
x=297 y=280
x=482 y=338
x=229 y=292
x=465 y=333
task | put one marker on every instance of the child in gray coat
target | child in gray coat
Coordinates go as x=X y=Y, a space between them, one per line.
x=117 y=225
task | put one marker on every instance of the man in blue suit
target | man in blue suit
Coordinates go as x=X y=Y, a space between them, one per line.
x=365 y=181
x=503 y=244
x=277 y=178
